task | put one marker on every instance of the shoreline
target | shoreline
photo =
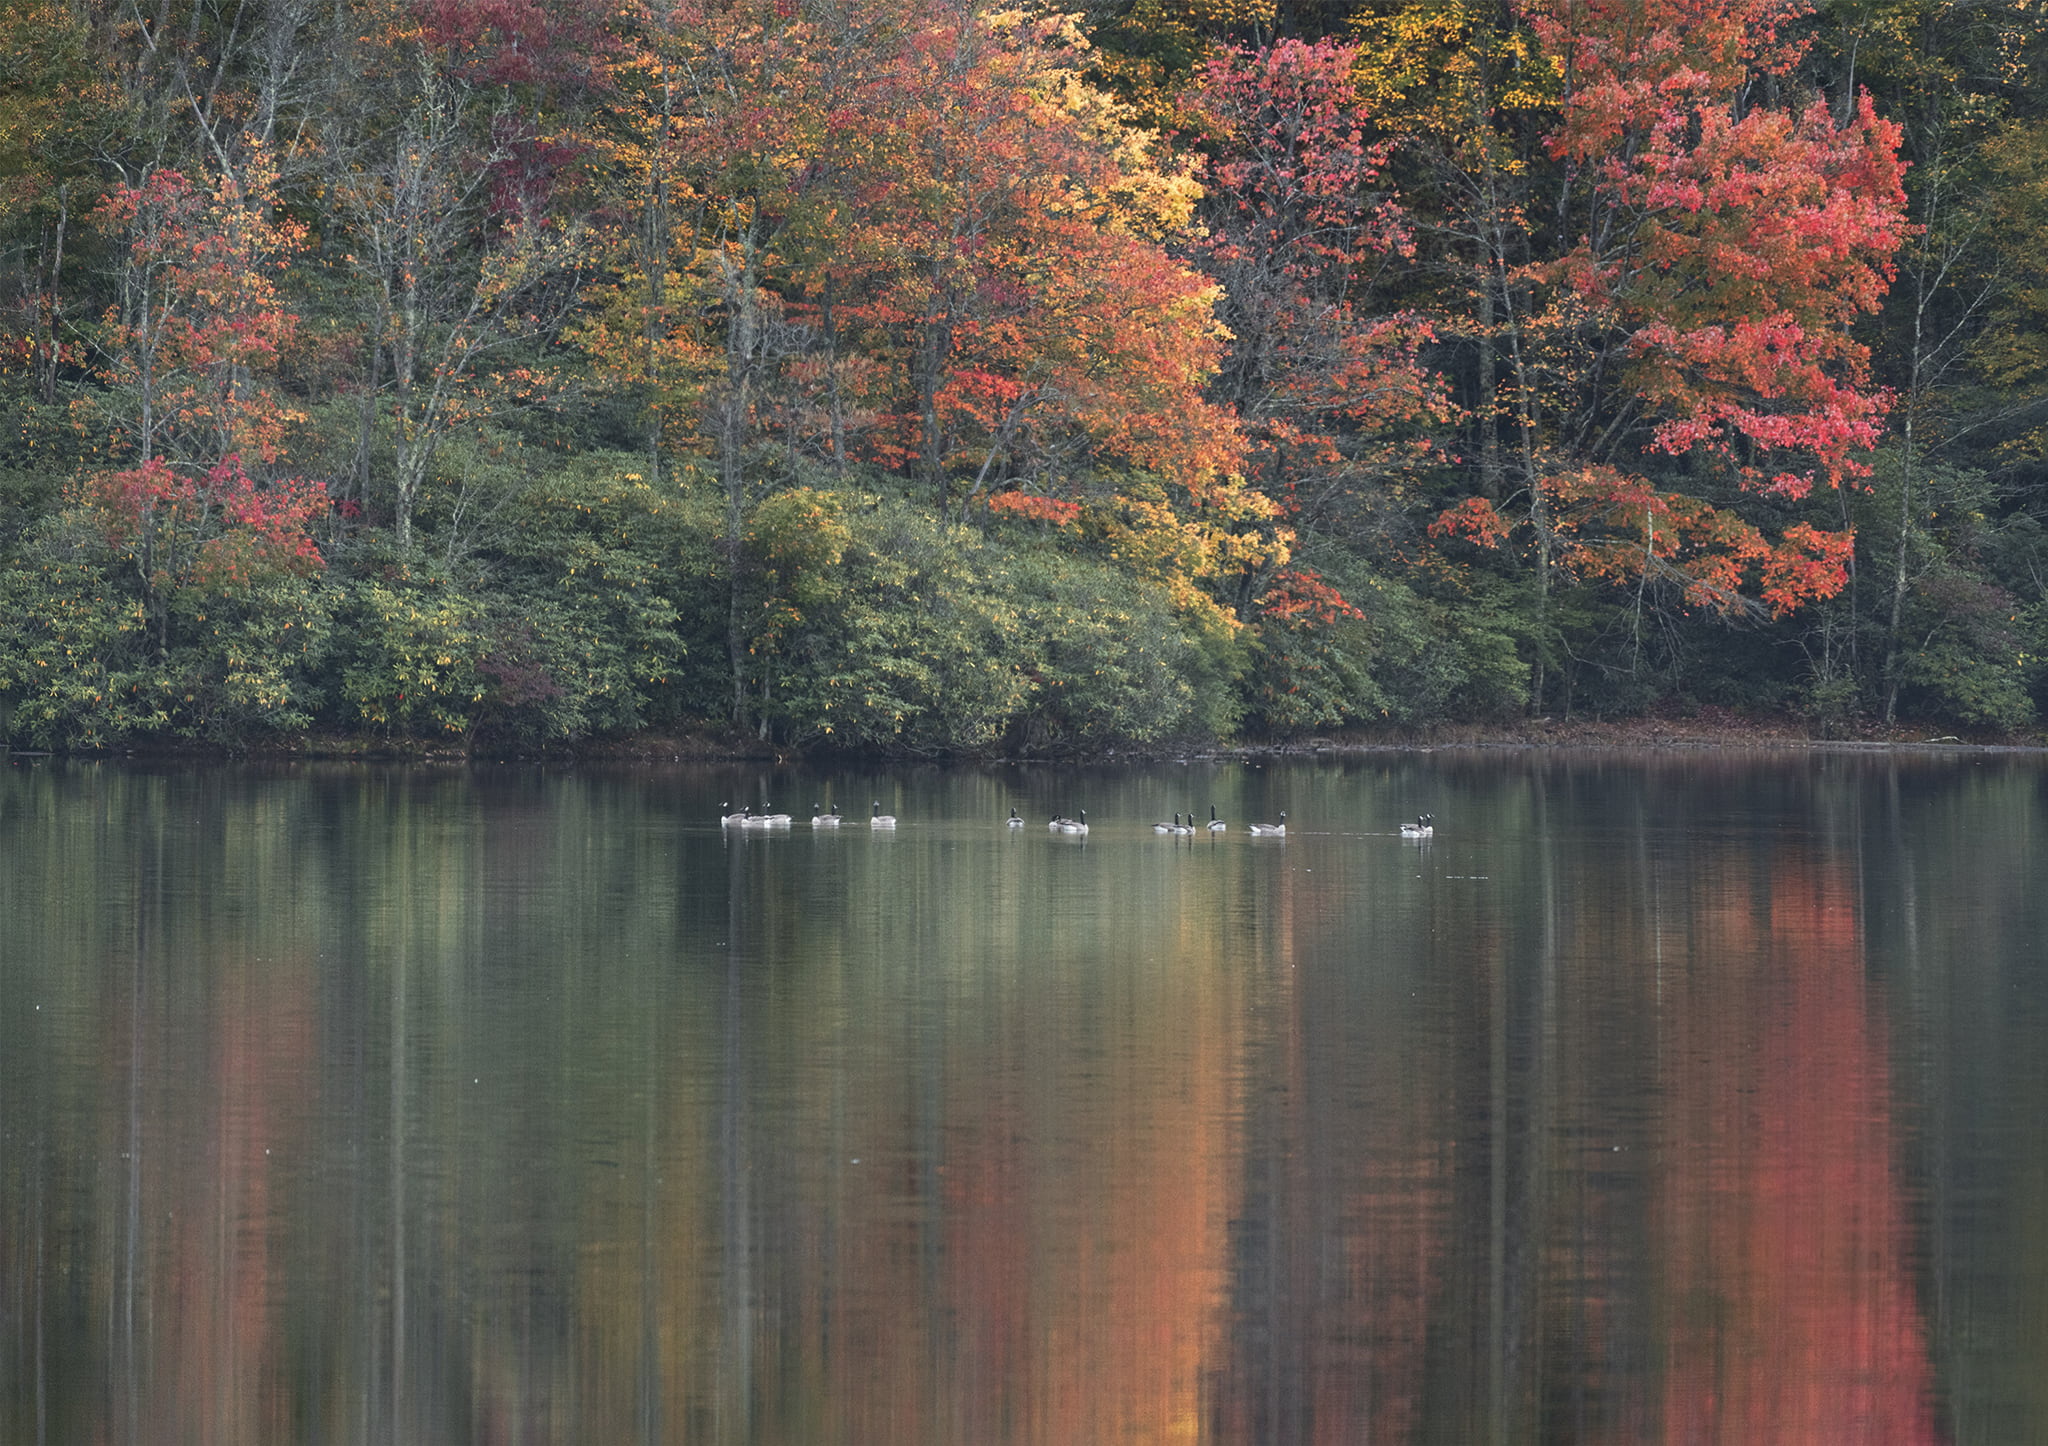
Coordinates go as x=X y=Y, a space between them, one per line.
x=1706 y=730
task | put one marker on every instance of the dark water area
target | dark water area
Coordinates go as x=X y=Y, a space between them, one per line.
x=1687 y=1097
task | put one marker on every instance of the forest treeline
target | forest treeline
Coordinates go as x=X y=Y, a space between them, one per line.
x=928 y=376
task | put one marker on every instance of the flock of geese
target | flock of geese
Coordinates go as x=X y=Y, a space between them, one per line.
x=746 y=818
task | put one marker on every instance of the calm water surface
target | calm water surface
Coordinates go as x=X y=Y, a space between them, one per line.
x=1680 y=1098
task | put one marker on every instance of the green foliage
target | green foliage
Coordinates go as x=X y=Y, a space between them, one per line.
x=1975 y=661
x=1311 y=672
x=251 y=659
x=696 y=573
x=2012 y=351
x=583 y=625
x=412 y=660
x=1320 y=677
x=72 y=649
x=39 y=449
x=889 y=635
x=1443 y=661
x=1112 y=661
x=874 y=625
x=78 y=656
x=25 y=496
x=1961 y=567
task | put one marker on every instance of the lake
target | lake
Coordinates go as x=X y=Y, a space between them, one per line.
x=1674 y=1097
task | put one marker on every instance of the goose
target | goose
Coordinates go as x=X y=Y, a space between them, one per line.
x=1183 y=828
x=1423 y=827
x=880 y=819
x=1173 y=827
x=1216 y=825
x=730 y=820
x=765 y=820
x=1075 y=825
x=1014 y=821
x=820 y=819
x=1057 y=823
x=1269 y=830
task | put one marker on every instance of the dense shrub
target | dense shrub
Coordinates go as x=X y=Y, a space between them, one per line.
x=872 y=625
x=412 y=659
x=229 y=663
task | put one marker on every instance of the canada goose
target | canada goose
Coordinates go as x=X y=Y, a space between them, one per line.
x=730 y=820
x=880 y=819
x=1423 y=827
x=1188 y=827
x=1173 y=827
x=765 y=820
x=1014 y=821
x=1216 y=825
x=1269 y=830
x=1075 y=825
x=820 y=819
x=1057 y=822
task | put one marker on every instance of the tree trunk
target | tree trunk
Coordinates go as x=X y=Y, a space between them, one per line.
x=1901 y=555
x=743 y=341
x=46 y=379
x=835 y=402
x=928 y=417
x=1916 y=383
x=658 y=239
x=409 y=465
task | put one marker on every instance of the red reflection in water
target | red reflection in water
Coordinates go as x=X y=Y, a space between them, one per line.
x=1791 y=1312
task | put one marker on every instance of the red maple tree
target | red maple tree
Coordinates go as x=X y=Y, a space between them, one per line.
x=1721 y=249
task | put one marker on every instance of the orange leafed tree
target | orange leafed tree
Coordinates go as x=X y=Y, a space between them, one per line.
x=921 y=240
x=193 y=344
x=1301 y=227
x=915 y=238
x=192 y=352
x=1006 y=262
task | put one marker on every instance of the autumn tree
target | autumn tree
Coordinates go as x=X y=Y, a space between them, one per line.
x=1038 y=344
x=734 y=150
x=1324 y=370
x=47 y=184
x=1015 y=273
x=191 y=354
x=457 y=271
x=916 y=240
x=193 y=344
x=1691 y=322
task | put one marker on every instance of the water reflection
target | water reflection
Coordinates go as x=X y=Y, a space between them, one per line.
x=1671 y=1099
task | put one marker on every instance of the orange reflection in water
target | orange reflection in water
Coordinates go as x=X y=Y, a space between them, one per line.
x=1791 y=1315
x=208 y=1338
x=1084 y=1227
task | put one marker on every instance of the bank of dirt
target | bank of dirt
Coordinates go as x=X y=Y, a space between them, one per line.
x=1701 y=728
